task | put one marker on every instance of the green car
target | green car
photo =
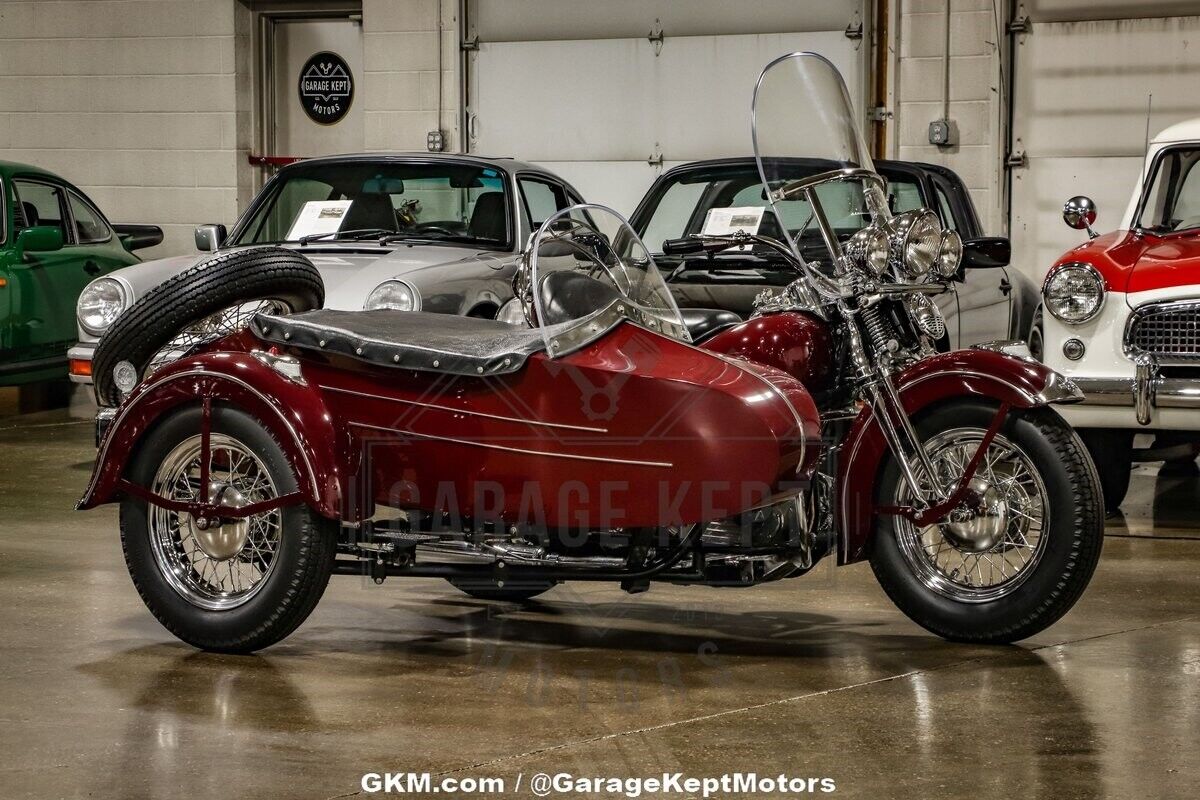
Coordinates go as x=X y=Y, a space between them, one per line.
x=53 y=242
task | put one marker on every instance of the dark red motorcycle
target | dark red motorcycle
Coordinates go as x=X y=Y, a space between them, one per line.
x=612 y=438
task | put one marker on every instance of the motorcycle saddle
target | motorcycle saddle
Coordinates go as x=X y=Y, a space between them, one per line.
x=407 y=339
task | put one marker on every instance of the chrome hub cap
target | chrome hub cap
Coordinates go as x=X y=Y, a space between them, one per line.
x=979 y=529
x=985 y=549
x=215 y=564
x=223 y=539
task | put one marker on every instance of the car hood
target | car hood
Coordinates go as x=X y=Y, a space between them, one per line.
x=349 y=274
x=1134 y=261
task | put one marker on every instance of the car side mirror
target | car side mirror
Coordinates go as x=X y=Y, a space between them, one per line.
x=138 y=237
x=210 y=237
x=986 y=252
x=39 y=239
x=1079 y=213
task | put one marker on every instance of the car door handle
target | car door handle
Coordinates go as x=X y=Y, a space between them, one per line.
x=91 y=268
x=1005 y=286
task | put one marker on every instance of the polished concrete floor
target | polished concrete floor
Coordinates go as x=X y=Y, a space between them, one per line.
x=818 y=677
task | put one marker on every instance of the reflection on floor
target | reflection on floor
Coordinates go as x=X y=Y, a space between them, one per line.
x=815 y=677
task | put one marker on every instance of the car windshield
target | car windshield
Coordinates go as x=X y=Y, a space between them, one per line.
x=682 y=206
x=347 y=200
x=1172 y=202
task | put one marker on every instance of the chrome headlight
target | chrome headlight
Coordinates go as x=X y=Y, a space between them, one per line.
x=512 y=313
x=1074 y=293
x=868 y=249
x=396 y=295
x=99 y=305
x=950 y=255
x=916 y=241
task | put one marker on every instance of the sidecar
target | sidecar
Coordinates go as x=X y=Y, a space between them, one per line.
x=603 y=417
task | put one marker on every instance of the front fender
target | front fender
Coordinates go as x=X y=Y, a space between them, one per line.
x=294 y=413
x=979 y=372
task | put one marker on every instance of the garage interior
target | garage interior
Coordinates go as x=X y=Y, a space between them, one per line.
x=165 y=111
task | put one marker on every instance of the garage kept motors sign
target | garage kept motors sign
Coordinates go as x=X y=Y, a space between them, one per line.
x=326 y=88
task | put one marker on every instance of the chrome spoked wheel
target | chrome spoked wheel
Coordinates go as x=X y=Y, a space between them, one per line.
x=983 y=554
x=211 y=328
x=215 y=567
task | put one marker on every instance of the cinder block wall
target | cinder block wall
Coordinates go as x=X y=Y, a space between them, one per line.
x=132 y=100
x=401 y=61
x=146 y=104
x=975 y=94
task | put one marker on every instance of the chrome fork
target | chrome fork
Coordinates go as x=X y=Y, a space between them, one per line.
x=897 y=428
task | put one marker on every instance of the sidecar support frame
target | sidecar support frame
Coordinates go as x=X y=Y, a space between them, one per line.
x=689 y=545
x=212 y=512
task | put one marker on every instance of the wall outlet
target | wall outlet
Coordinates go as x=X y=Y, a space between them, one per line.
x=943 y=133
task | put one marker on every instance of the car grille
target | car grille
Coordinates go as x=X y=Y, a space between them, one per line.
x=1170 y=331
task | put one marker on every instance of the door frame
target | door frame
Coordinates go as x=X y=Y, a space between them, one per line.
x=266 y=14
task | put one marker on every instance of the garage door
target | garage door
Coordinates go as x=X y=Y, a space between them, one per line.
x=589 y=91
x=1086 y=93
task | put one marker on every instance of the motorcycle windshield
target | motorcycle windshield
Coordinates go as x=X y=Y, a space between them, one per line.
x=589 y=272
x=802 y=110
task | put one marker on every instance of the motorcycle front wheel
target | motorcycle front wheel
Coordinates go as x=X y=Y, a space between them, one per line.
x=245 y=584
x=1012 y=570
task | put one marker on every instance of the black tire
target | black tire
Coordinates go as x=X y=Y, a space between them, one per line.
x=290 y=590
x=513 y=592
x=1112 y=453
x=215 y=284
x=1037 y=336
x=1075 y=533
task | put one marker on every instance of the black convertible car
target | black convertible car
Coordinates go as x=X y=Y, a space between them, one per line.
x=989 y=301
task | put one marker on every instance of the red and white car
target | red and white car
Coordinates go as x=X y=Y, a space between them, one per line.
x=1121 y=317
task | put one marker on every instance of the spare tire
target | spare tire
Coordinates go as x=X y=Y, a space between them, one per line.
x=205 y=302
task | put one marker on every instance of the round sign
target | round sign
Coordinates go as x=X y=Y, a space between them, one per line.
x=326 y=88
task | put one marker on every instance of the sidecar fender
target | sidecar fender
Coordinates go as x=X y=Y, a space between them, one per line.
x=291 y=411
x=1019 y=382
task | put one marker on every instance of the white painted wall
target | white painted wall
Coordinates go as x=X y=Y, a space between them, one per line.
x=975 y=95
x=401 y=62
x=147 y=104
x=132 y=100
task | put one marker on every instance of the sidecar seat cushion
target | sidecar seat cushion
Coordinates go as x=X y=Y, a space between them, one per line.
x=407 y=339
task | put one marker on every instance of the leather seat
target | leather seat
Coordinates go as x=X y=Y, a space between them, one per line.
x=488 y=217
x=704 y=322
x=370 y=211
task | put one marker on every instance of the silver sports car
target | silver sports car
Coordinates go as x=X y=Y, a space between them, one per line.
x=426 y=232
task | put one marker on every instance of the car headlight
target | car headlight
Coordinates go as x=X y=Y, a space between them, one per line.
x=99 y=305
x=950 y=254
x=869 y=249
x=916 y=241
x=396 y=295
x=512 y=313
x=1074 y=293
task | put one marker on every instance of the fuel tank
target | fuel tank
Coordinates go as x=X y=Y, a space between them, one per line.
x=796 y=343
x=634 y=430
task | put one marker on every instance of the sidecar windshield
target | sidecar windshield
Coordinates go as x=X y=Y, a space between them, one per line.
x=802 y=109
x=588 y=273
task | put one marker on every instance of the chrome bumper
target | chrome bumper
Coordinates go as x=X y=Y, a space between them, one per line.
x=1145 y=392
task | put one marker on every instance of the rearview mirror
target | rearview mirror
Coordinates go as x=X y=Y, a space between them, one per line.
x=39 y=239
x=210 y=237
x=1079 y=213
x=986 y=252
